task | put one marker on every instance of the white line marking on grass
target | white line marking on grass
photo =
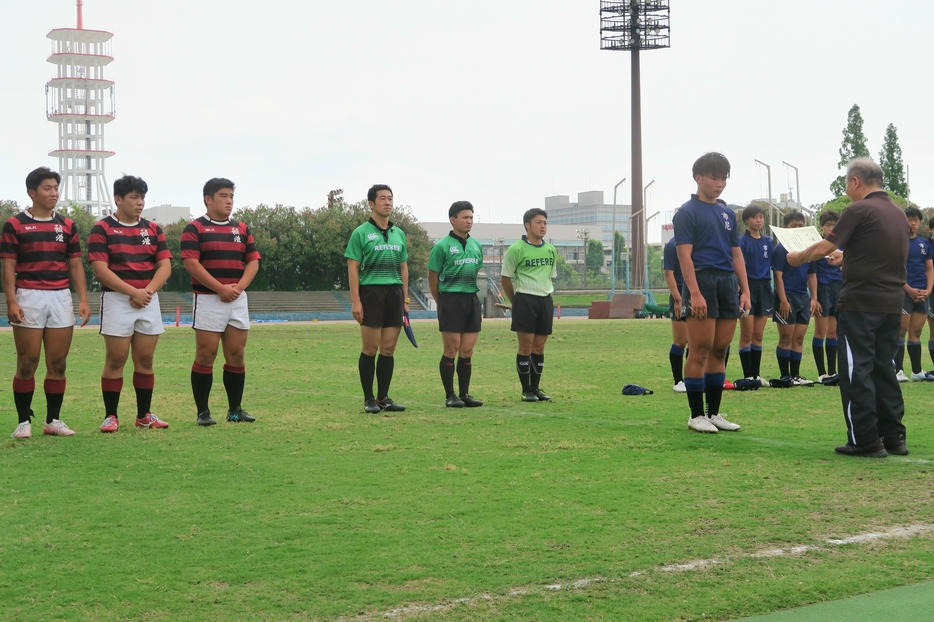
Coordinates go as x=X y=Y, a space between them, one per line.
x=416 y=610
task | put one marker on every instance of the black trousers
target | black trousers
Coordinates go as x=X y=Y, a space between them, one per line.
x=872 y=400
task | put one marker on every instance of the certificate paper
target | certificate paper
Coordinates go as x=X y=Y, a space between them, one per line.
x=796 y=240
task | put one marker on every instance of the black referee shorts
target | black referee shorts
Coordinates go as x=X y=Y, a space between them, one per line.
x=382 y=305
x=532 y=314
x=459 y=313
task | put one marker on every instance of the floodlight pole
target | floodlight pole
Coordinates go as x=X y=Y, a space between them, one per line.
x=797 y=184
x=771 y=209
x=634 y=25
x=615 y=250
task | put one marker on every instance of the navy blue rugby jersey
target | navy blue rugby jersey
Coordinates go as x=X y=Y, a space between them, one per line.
x=919 y=253
x=795 y=279
x=672 y=263
x=711 y=229
x=758 y=256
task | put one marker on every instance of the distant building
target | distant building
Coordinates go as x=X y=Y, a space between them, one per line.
x=590 y=213
x=167 y=214
x=496 y=238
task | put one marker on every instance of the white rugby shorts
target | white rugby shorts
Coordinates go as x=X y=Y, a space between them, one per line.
x=120 y=319
x=214 y=316
x=45 y=308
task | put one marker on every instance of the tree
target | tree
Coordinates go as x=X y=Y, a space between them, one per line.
x=890 y=159
x=619 y=246
x=567 y=278
x=853 y=146
x=594 y=258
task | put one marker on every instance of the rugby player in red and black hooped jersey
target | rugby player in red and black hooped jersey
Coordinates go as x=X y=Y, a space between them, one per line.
x=41 y=251
x=132 y=261
x=221 y=257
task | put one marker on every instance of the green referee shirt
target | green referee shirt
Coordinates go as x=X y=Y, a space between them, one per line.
x=531 y=267
x=381 y=253
x=457 y=261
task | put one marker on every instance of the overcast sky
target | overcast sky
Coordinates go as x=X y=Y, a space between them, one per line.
x=500 y=102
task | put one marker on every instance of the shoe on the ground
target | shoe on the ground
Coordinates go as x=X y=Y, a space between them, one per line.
x=390 y=406
x=150 y=421
x=680 y=388
x=23 y=430
x=876 y=449
x=529 y=396
x=727 y=385
x=763 y=381
x=702 y=424
x=785 y=382
x=719 y=421
x=57 y=428
x=822 y=377
x=111 y=424
x=541 y=396
x=830 y=380
x=746 y=384
x=896 y=446
x=204 y=418
x=469 y=401
x=900 y=376
x=918 y=377
x=454 y=402
x=370 y=405
x=238 y=415
x=801 y=381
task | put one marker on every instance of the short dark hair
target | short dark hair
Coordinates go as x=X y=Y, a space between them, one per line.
x=374 y=190
x=752 y=210
x=459 y=206
x=39 y=175
x=532 y=213
x=712 y=164
x=127 y=184
x=214 y=184
x=793 y=216
x=913 y=212
x=828 y=216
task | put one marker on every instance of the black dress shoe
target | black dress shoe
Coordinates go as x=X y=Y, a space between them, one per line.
x=896 y=446
x=871 y=450
x=469 y=401
x=454 y=402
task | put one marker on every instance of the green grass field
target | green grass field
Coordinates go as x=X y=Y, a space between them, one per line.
x=581 y=509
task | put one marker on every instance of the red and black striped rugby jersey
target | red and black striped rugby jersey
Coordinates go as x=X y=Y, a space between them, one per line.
x=222 y=248
x=41 y=249
x=130 y=251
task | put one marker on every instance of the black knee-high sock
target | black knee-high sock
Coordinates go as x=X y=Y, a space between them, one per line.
x=234 y=379
x=756 y=352
x=784 y=360
x=676 y=359
x=384 y=367
x=54 y=396
x=900 y=356
x=914 y=353
x=726 y=358
x=713 y=391
x=446 y=367
x=367 y=368
x=524 y=367
x=795 y=364
x=143 y=384
x=110 y=390
x=817 y=345
x=464 y=367
x=202 y=377
x=831 y=356
x=538 y=366
x=745 y=359
x=23 y=391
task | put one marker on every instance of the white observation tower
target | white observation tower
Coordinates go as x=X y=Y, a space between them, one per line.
x=78 y=102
